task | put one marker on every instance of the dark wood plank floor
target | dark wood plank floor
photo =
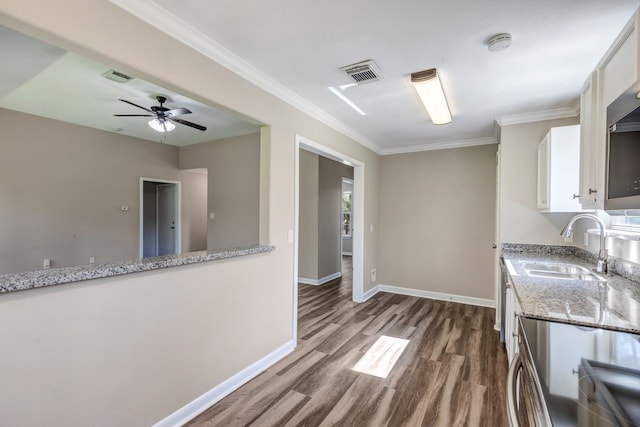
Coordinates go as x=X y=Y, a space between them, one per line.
x=452 y=372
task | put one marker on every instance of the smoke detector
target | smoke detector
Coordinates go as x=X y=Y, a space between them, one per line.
x=499 y=42
x=363 y=72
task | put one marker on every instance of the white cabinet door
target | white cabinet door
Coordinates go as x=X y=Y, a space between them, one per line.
x=620 y=65
x=512 y=309
x=559 y=170
x=589 y=143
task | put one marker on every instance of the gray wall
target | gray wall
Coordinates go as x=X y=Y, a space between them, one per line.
x=330 y=214
x=319 y=252
x=234 y=188
x=437 y=221
x=308 y=216
x=62 y=187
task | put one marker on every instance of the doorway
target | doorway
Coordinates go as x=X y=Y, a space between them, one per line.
x=357 y=219
x=160 y=223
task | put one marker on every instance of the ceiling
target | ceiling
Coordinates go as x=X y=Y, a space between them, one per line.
x=294 y=49
x=40 y=79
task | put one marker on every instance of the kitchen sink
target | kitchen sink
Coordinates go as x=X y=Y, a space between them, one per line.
x=561 y=271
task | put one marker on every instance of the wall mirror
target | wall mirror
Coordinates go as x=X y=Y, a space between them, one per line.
x=80 y=185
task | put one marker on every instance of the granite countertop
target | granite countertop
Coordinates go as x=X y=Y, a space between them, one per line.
x=58 y=276
x=614 y=304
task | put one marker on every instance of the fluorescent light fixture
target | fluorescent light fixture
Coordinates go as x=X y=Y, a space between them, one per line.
x=161 y=125
x=383 y=355
x=347 y=100
x=429 y=88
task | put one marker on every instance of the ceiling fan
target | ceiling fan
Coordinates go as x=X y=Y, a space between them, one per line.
x=163 y=116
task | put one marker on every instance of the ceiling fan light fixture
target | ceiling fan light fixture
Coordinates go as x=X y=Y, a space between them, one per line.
x=429 y=88
x=161 y=125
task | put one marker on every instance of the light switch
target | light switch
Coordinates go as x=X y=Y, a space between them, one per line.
x=212 y=215
x=371 y=228
x=290 y=236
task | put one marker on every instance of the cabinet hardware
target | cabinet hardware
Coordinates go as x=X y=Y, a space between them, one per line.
x=576 y=196
x=494 y=246
x=591 y=191
x=574 y=371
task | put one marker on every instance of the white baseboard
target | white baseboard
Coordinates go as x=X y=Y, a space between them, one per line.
x=321 y=281
x=208 y=399
x=437 y=296
x=370 y=293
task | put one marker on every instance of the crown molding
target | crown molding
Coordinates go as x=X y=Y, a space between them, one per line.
x=163 y=20
x=443 y=145
x=537 y=116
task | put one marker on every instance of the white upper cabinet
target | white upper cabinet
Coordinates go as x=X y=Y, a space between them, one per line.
x=559 y=170
x=616 y=72
x=591 y=147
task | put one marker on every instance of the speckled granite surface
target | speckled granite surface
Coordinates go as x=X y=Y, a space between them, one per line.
x=614 y=304
x=57 y=276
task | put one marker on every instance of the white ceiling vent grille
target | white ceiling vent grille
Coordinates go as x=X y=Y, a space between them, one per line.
x=116 y=76
x=363 y=72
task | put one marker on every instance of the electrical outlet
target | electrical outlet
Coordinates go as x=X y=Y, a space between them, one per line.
x=373 y=275
x=92 y=260
x=46 y=263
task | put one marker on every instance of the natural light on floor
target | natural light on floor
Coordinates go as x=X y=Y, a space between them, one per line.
x=380 y=359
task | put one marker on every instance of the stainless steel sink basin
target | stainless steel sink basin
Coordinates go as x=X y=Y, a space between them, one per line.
x=560 y=271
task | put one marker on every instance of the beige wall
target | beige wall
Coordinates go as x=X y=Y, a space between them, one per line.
x=63 y=187
x=437 y=221
x=520 y=220
x=220 y=316
x=234 y=188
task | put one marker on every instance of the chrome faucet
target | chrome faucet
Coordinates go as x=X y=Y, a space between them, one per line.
x=603 y=255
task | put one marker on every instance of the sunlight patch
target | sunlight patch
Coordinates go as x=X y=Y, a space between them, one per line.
x=380 y=359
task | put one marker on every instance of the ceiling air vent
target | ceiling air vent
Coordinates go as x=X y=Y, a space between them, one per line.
x=363 y=72
x=116 y=76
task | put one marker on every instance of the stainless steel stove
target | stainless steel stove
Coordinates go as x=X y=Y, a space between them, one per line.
x=570 y=375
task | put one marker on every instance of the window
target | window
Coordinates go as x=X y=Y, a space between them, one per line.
x=623 y=222
x=346 y=213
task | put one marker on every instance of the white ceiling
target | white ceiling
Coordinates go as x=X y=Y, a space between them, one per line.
x=295 y=49
x=40 y=79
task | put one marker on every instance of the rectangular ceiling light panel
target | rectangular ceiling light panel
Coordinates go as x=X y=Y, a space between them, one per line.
x=429 y=88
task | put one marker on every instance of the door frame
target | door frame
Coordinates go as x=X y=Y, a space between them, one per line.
x=357 y=218
x=177 y=207
x=345 y=181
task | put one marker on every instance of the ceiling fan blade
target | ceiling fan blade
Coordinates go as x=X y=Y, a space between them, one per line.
x=186 y=123
x=176 y=112
x=135 y=105
x=134 y=115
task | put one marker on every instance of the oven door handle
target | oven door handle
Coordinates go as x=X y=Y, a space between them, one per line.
x=512 y=377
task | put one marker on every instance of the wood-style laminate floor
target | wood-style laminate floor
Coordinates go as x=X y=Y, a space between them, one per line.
x=452 y=372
